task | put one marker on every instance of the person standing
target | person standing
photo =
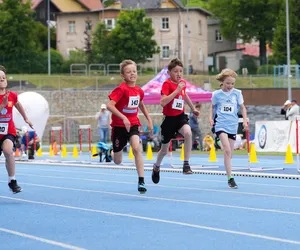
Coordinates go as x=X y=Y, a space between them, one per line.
x=286 y=106
x=196 y=132
x=223 y=116
x=103 y=118
x=30 y=142
x=173 y=98
x=293 y=111
x=8 y=132
x=125 y=100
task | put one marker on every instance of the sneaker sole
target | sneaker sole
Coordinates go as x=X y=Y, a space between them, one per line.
x=236 y=187
x=16 y=192
x=142 y=191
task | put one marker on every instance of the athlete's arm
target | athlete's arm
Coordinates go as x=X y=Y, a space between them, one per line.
x=111 y=106
x=210 y=118
x=165 y=99
x=244 y=114
x=147 y=116
x=21 y=110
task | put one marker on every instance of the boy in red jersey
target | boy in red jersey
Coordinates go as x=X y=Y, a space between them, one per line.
x=7 y=129
x=173 y=97
x=124 y=103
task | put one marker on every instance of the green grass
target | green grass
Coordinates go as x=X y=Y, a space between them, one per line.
x=80 y=82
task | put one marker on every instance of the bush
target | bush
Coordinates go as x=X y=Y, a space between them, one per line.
x=266 y=69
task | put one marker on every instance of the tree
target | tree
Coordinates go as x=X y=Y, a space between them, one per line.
x=279 y=42
x=247 y=20
x=100 y=43
x=17 y=28
x=132 y=37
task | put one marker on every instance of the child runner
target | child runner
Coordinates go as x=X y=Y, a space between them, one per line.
x=124 y=103
x=8 y=131
x=173 y=97
x=223 y=116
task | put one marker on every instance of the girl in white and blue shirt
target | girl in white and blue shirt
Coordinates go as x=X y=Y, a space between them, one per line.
x=226 y=102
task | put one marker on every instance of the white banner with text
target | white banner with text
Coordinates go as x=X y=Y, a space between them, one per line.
x=274 y=136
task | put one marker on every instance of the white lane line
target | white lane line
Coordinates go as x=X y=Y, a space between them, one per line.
x=167 y=199
x=32 y=237
x=236 y=191
x=178 y=223
x=165 y=177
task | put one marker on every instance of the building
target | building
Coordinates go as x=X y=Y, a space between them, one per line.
x=222 y=53
x=180 y=32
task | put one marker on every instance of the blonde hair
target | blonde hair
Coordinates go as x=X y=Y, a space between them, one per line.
x=226 y=73
x=124 y=64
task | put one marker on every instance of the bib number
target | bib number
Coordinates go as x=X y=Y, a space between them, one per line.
x=3 y=128
x=178 y=104
x=227 y=109
x=134 y=101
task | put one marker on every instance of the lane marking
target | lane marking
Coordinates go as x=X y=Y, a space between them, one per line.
x=236 y=191
x=167 y=199
x=32 y=237
x=178 y=223
x=165 y=177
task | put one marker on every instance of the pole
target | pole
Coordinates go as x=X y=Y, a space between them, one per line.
x=288 y=51
x=188 y=38
x=49 y=45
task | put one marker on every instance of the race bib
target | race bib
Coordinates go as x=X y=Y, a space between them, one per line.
x=134 y=101
x=178 y=104
x=227 y=108
x=3 y=128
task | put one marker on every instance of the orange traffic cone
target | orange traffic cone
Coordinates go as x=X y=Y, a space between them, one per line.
x=17 y=153
x=54 y=147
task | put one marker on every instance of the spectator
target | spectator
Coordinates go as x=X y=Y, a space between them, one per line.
x=196 y=132
x=31 y=138
x=103 y=118
x=285 y=108
x=293 y=111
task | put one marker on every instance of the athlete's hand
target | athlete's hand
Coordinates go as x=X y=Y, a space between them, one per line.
x=196 y=112
x=211 y=122
x=150 y=127
x=29 y=123
x=245 y=125
x=180 y=86
x=5 y=98
x=126 y=123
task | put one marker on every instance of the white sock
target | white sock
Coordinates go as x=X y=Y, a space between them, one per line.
x=11 y=178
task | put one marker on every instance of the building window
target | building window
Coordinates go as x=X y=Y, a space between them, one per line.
x=165 y=23
x=88 y=25
x=219 y=37
x=71 y=27
x=165 y=51
x=199 y=27
x=110 y=23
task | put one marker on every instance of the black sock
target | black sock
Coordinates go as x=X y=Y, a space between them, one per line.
x=186 y=163
x=141 y=180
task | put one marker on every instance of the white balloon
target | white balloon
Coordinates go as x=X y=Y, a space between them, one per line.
x=37 y=110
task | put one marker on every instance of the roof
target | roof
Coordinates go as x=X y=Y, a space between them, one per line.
x=72 y=5
x=68 y=5
x=92 y=4
x=149 y=4
x=251 y=49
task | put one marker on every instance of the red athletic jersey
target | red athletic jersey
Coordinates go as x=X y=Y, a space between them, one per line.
x=127 y=102
x=176 y=106
x=7 y=125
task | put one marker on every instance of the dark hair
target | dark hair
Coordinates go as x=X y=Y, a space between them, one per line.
x=173 y=63
x=2 y=68
x=198 y=105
